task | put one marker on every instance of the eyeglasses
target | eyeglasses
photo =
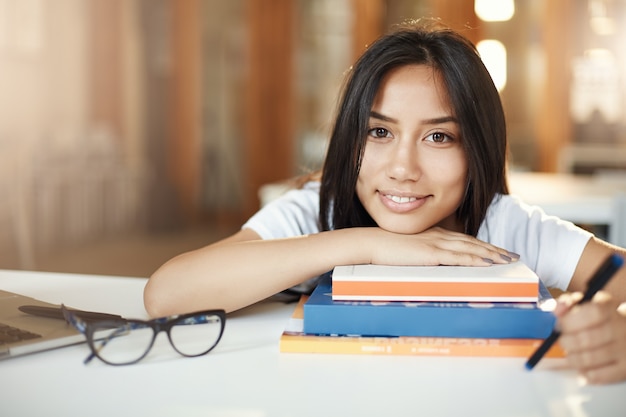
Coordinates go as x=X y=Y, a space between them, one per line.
x=124 y=342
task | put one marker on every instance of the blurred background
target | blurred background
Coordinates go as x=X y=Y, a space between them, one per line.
x=133 y=130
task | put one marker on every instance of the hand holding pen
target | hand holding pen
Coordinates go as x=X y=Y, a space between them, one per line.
x=591 y=338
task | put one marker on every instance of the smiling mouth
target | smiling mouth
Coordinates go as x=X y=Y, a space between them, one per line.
x=400 y=200
x=403 y=203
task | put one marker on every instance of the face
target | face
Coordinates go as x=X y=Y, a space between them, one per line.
x=414 y=170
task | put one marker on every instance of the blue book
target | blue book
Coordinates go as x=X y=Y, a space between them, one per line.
x=501 y=320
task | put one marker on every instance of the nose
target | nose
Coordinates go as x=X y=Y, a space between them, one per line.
x=404 y=163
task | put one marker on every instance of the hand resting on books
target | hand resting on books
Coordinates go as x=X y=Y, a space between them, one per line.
x=436 y=246
x=594 y=336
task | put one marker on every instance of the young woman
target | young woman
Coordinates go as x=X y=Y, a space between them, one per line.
x=414 y=175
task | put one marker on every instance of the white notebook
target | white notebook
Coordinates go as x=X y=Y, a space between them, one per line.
x=513 y=282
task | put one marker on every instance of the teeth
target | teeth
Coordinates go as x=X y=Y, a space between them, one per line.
x=401 y=200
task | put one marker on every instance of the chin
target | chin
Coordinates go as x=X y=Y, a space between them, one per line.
x=403 y=228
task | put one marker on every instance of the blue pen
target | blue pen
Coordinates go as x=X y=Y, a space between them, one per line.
x=596 y=283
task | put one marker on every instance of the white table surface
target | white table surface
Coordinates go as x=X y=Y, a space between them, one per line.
x=247 y=376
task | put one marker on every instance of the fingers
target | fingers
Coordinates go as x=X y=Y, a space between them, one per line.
x=467 y=250
x=575 y=317
x=594 y=337
x=566 y=301
x=453 y=258
x=445 y=234
x=435 y=246
x=600 y=365
x=609 y=374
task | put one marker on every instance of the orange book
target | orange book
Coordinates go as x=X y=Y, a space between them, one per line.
x=294 y=340
x=513 y=282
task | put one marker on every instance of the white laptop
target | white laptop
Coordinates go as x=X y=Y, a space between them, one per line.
x=22 y=333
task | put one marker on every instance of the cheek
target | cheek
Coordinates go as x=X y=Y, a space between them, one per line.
x=450 y=170
x=362 y=185
x=371 y=158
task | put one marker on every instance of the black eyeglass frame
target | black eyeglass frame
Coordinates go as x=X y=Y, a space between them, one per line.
x=158 y=325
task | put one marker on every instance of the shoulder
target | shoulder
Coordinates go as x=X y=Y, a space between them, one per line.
x=547 y=244
x=505 y=208
x=288 y=213
x=507 y=204
x=271 y=192
x=508 y=213
x=306 y=197
x=511 y=208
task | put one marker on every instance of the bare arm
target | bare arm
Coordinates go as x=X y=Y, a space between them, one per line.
x=243 y=269
x=594 y=254
x=239 y=271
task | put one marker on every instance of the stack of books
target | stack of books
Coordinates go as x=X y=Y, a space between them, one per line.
x=502 y=310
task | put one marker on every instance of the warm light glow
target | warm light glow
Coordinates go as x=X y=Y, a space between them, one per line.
x=494 y=10
x=493 y=54
x=600 y=20
x=602 y=25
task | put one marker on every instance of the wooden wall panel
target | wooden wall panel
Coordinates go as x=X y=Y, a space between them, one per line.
x=460 y=16
x=185 y=104
x=105 y=60
x=270 y=105
x=554 y=127
x=369 y=18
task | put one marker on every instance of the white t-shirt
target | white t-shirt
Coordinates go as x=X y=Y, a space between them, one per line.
x=548 y=245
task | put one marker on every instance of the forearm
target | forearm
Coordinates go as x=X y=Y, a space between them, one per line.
x=594 y=254
x=233 y=274
x=244 y=269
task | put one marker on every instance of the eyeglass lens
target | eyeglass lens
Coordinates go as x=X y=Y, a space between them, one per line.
x=124 y=344
x=130 y=342
x=196 y=335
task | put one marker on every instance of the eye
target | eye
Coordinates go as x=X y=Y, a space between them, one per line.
x=379 y=132
x=439 y=137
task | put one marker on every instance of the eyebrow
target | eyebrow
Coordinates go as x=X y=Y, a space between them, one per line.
x=434 y=121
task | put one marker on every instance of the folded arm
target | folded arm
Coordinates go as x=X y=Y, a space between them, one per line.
x=243 y=269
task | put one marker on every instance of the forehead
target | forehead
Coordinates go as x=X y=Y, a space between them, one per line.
x=413 y=85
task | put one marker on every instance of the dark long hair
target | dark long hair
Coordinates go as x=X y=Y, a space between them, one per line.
x=474 y=100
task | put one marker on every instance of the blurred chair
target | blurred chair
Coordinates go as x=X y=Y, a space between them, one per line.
x=588 y=158
x=606 y=163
